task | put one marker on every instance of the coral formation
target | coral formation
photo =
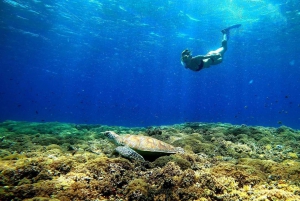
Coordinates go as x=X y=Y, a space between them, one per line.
x=55 y=161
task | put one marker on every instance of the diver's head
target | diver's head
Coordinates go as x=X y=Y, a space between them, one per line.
x=186 y=57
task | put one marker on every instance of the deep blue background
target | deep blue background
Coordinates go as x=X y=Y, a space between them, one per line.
x=118 y=62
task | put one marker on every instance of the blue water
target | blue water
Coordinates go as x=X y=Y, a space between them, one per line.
x=118 y=62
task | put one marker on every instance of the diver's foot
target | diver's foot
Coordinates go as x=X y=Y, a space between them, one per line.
x=225 y=31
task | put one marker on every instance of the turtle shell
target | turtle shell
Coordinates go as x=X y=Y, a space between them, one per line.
x=147 y=145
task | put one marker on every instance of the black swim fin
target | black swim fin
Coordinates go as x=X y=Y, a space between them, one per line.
x=231 y=27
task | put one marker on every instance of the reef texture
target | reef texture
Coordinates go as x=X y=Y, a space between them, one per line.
x=56 y=161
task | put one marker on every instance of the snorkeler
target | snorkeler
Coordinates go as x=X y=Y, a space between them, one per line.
x=199 y=62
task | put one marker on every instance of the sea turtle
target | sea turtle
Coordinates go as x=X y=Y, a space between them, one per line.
x=137 y=146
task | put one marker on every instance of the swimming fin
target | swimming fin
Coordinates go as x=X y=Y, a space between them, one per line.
x=231 y=27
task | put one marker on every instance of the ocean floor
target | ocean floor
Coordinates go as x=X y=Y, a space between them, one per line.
x=59 y=161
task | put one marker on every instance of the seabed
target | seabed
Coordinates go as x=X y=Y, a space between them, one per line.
x=59 y=161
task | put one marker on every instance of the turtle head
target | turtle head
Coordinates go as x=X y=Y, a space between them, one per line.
x=111 y=135
x=179 y=150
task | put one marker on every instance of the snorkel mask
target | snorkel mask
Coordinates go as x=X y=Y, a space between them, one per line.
x=186 y=57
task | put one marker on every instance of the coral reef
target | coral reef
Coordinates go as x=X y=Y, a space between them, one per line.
x=56 y=161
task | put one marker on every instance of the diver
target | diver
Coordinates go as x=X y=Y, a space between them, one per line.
x=199 y=62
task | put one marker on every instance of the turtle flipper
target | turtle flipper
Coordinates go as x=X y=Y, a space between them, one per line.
x=129 y=153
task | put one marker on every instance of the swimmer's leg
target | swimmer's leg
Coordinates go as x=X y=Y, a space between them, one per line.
x=223 y=47
x=224 y=42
